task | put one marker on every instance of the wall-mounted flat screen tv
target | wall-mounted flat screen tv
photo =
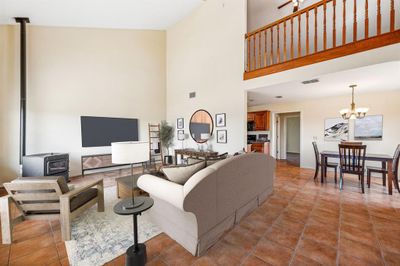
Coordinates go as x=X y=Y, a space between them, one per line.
x=102 y=131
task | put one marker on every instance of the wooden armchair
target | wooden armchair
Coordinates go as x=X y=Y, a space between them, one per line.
x=47 y=198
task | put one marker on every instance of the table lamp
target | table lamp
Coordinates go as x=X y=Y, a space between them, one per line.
x=131 y=152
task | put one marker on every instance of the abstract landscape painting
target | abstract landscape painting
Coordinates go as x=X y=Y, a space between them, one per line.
x=369 y=128
x=336 y=129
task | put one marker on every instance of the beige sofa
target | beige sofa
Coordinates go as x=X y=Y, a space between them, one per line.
x=197 y=213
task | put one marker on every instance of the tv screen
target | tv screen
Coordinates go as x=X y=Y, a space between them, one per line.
x=102 y=131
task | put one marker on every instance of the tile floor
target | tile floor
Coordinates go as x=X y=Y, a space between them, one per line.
x=302 y=223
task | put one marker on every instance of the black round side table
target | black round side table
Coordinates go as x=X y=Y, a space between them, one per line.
x=136 y=254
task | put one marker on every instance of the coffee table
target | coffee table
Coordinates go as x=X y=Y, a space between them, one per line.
x=127 y=185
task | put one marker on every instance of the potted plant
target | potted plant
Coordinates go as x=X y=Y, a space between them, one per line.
x=166 y=138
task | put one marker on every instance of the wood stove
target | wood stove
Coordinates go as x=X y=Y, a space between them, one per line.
x=46 y=164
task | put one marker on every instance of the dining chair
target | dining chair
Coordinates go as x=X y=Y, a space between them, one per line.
x=318 y=163
x=382 y=170
x=352 y=161
x=351 y=142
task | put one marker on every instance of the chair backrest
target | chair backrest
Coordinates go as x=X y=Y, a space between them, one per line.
x=396 y=159
x=35 y=195
x=351 y=143
x=352 y=158
x=316 y=152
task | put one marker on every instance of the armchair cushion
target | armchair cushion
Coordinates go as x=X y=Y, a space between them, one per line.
x=82 y=198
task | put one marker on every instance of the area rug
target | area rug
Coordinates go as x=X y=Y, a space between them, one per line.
x=99 y=237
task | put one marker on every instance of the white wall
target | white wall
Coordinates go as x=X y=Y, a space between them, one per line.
x=205 y=54
x=293 y=134
x=314 y=113
x=77 y=71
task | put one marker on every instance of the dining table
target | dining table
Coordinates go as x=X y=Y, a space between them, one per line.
x=385 y=159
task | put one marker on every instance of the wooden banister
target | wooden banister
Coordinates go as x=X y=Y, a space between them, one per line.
x=270 y=55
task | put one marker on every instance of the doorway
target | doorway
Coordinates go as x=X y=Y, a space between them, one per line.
x=288 y=137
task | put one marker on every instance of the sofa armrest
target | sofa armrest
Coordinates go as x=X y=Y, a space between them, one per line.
x=162 y=189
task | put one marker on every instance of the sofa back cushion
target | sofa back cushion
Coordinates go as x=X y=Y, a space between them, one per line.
x=180 y=174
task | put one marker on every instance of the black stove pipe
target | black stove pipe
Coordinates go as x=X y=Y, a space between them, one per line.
x=22 y=128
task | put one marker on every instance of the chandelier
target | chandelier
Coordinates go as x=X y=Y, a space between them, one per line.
x=353 y=112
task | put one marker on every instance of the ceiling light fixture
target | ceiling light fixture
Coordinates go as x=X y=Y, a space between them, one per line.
x=279 y=97
x=353 y=112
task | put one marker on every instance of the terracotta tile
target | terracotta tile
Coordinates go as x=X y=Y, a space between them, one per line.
x=65 y=262
x=317 y=251
x=23 y=248
x=4 y=254
x=61 y=249
x=254 y=261
x=177 y=255
x=157 y=245
x=389 y=240
x=391 y=259
x=54 y=263
x=256 y=224
x=203 y=261
x=300 y=260
x=321 y=234
x=24 y=231
x=120 y=261
x=41 y=256
x=57 y=236
x=347 y=260
x=359 y=250
x=288 y=223
x=286 y=238
x=272 y=252
x=242 y=238
x=224 y=253
x=359 y=235
x=156 y=262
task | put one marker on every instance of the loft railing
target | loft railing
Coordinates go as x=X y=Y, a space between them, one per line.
x=325 y=30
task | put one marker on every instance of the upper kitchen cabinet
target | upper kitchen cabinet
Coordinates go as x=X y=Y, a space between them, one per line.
x=258 y=121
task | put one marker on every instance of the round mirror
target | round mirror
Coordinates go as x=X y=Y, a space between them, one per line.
x=201 y=126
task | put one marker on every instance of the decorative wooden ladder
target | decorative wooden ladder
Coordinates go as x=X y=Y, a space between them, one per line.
x=156 y=154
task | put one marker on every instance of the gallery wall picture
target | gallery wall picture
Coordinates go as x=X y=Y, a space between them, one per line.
x=369 y=128
x=222 y=136
x=181 y=135
x=336 y=129
x=220 y=120
x=180 y=124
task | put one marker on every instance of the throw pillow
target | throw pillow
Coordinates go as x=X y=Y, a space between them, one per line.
x=213 y=160
x=181 y=174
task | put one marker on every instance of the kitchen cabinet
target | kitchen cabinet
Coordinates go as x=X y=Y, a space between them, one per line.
x=262 y=147
x=261 y=120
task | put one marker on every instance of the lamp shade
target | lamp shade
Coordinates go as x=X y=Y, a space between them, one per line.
x=130 y=152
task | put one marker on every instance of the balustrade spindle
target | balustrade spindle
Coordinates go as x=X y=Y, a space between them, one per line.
x=355 y=22
x=291 y=39
x=366 y=20
x=284 y=40
x=259 y=50
x=272 y=46
x=248 y=54
x=344 y=24
x=265 y=48
x=334 y=24
x=299 y=38
x=324 y=34
x=378 y=18
x=392 y=21
x=254 y=52
x=307 y=37
x=315 y=30
x=278 y=54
